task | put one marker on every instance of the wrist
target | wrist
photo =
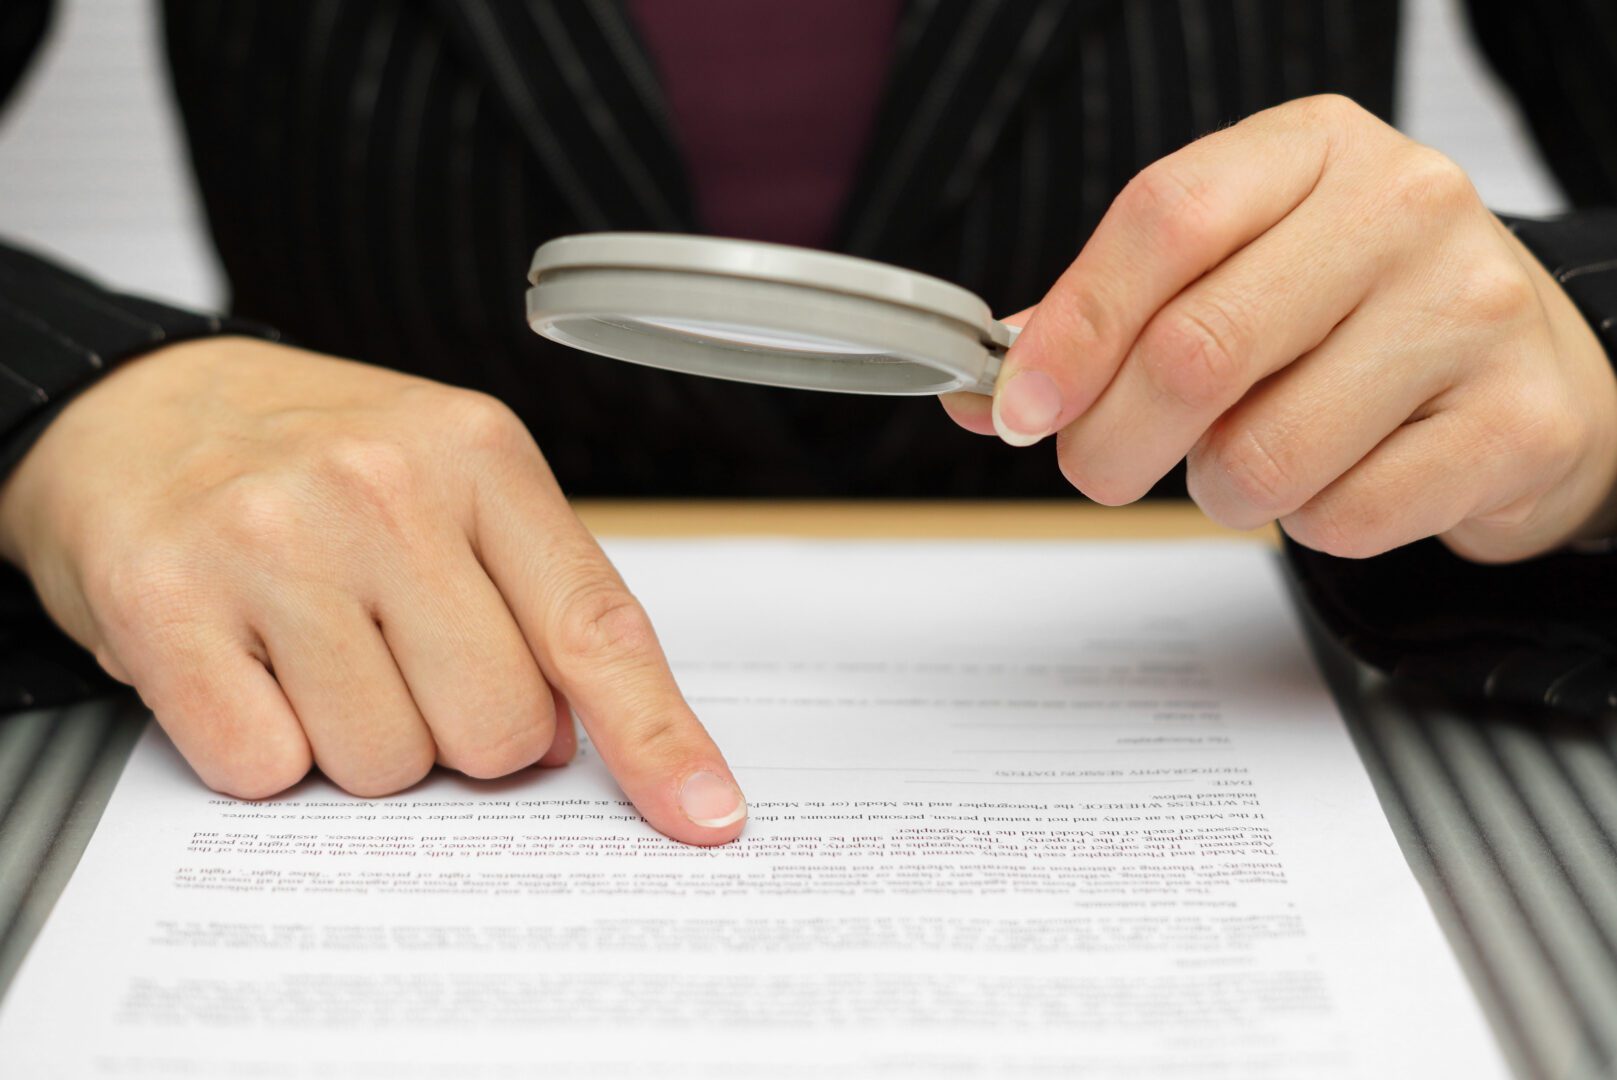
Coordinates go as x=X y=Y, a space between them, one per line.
x=1592 y=513
x=27 y=493
x=22 y=511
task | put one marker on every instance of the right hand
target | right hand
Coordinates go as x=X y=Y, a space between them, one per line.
x=301 y=560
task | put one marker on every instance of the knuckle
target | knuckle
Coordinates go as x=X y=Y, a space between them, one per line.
x=501 y=751
x=1078 y=317
x=257 y=771
x=1192 y=355
x=1562 y=440
x=1351 y=531
x=1170 y=200
x=602 y=623
x=1334 y=110
x=1518 y=529
x=1528 y=425
x=483 y=421
x=1107 y=491
x=1482 y=541
x=1516 y=418
x=378 y=472
x=1426 y=183
x=1512 y=517
x=399 y=769
x=1494 y=295
x=1095 y=482
x=657 y=738
x=260 y=513
x=1250 y=468
x=1542 y=428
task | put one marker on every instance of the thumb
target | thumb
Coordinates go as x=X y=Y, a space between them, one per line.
x=972 y=410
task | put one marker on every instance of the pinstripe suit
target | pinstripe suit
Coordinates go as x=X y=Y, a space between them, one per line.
x=377 y=174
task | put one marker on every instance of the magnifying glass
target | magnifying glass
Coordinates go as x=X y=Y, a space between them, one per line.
x=764 y=313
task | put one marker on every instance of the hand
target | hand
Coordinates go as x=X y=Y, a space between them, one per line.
x=300 y=559
x=1321 y=315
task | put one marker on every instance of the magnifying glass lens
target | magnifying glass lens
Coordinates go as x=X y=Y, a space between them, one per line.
x=754 y=337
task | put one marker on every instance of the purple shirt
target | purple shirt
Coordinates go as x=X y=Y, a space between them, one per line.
x=773 y=103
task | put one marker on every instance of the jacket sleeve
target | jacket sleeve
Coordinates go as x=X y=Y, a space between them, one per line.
x=1559 y=58
x=1543 y=632
x=59 y=332
x=22 y=27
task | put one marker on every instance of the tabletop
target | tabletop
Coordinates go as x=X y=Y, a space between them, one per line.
x=1508 y=820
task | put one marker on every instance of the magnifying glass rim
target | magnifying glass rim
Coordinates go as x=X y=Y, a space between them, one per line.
x=905 y=332
x=760 y=260
x=613 y=311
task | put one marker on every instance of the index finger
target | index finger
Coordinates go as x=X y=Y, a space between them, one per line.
x=1175 y=221
x=595 y=644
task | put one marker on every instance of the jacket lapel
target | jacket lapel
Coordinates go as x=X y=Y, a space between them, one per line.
x=959 y=73
x=582 y=94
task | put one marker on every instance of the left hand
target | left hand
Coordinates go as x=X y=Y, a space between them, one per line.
x=1324 y=318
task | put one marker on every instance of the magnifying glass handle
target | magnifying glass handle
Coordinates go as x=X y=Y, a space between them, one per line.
x=990 y=375
x=1004 y=337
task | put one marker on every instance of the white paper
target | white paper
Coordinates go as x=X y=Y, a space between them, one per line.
x=1017 y=809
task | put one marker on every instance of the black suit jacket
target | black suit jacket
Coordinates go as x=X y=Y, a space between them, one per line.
x=377 y=174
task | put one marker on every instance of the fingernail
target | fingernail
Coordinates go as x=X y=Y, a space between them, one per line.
x=1026 y=408
x=711 y=801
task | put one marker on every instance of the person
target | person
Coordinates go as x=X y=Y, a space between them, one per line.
x=1221 y=251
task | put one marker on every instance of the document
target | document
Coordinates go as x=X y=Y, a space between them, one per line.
x=1017 y=810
